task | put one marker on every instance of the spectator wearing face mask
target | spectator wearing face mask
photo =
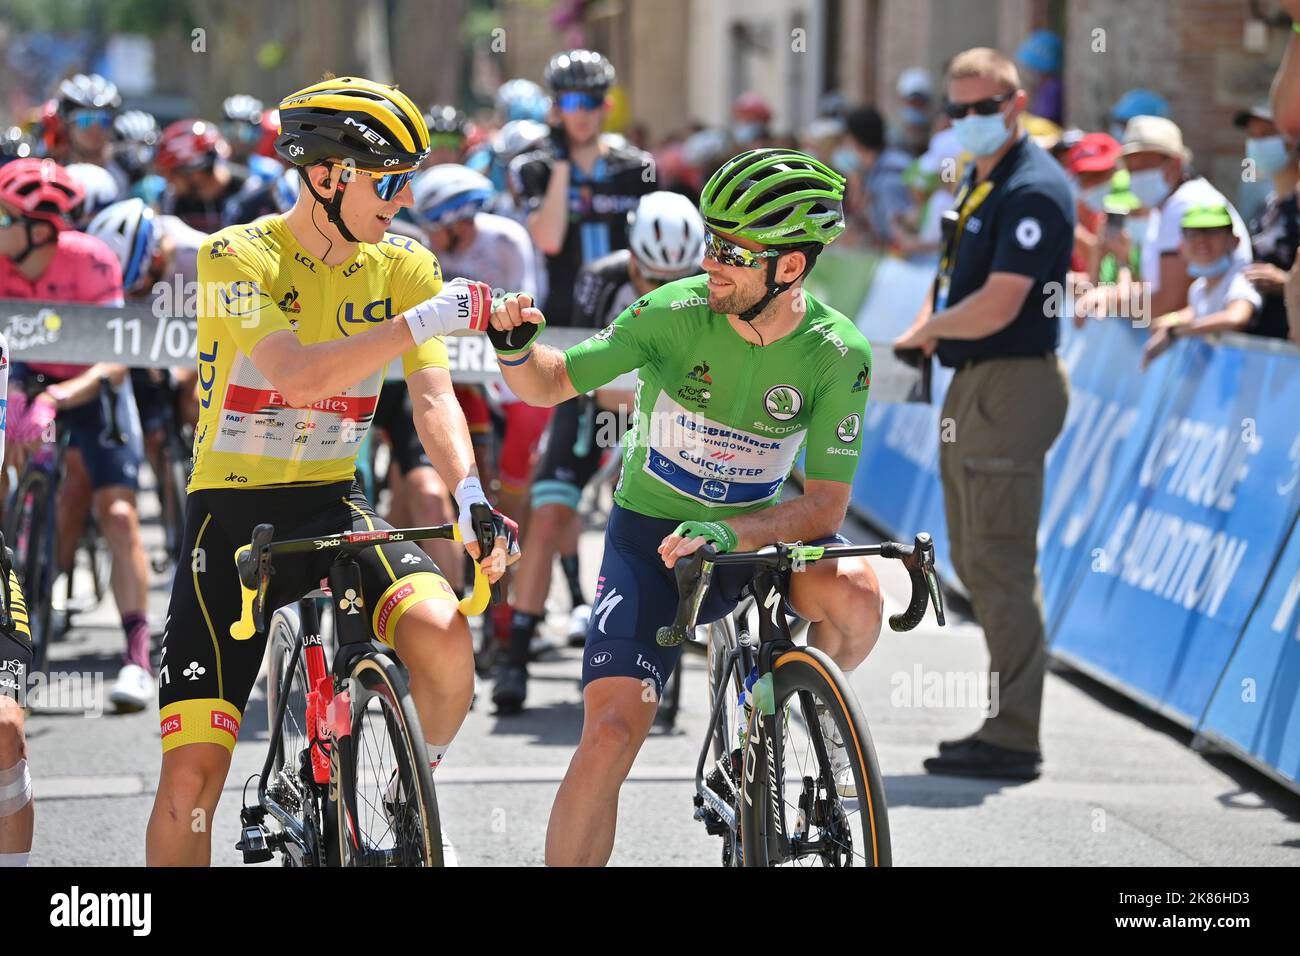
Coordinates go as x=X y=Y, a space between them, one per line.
x=752 y=121
x=1163 y=181
x=916 y=110
x=1220 y=298
x=878 y=195
x=1275 y=231
x=1090 y=164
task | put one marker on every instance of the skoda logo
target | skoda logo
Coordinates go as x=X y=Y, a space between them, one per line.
x=783 y=402
x=848 y=428
x=602 y=657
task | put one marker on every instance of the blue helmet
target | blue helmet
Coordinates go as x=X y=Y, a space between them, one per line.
x=1041 y=51
x=522 y=100
x=1139 y=102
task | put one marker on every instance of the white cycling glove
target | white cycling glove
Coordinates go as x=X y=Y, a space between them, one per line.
x=461 y=308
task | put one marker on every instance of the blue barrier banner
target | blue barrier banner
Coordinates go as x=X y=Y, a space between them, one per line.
x=1113 y=408
x=1255 y=707
x=1184 y=553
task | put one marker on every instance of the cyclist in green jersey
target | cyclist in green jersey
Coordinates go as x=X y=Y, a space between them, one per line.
x=738 y=370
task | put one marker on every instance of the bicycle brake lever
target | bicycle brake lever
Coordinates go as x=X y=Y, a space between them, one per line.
x=693 y=574
x=486 y=535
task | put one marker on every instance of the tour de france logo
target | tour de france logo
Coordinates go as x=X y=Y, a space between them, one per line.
x=783 y=402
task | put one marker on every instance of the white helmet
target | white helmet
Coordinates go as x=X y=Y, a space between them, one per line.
x=285 y=191
x=131 y=230
x=516 y=137
x=448 y=193
x=99 y=186
x=666 y=235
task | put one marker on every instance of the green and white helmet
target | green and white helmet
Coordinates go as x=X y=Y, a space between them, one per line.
x=775 y=196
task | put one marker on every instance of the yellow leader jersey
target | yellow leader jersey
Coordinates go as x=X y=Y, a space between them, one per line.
x=254 y=280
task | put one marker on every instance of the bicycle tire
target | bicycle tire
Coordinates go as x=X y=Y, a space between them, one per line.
x=172 y=501
x=286 y=784
x=25 y=532
x=374 y=677
x=801 y=677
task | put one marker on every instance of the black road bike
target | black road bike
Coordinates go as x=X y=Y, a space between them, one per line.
x=346 y=780
x=788 y=774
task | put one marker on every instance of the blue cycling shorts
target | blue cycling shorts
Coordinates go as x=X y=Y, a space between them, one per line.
x=636 y=595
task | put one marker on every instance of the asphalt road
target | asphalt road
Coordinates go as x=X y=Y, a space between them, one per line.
x=1120 y=786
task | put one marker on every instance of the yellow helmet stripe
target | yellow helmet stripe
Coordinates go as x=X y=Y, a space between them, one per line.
x=333 y=94
x=386 y=123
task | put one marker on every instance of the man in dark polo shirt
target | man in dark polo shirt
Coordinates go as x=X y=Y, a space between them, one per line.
x=990 y=316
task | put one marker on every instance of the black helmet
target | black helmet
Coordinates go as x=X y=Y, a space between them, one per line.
x=584 y=70
x=242 y=108
x=91 y=92
x=446 y=119
x=374 y=125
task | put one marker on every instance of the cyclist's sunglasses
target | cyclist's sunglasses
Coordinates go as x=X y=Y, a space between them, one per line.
x=573 y=102
x=729 y=254
x=85 y=119
x=984 y=107
x=387 y=185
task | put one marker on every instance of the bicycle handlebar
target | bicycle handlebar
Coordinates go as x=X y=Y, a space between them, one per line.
x=695 y=572
x=253 y=561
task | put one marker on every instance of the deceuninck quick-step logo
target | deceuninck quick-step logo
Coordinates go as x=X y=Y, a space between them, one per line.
x=783 y=402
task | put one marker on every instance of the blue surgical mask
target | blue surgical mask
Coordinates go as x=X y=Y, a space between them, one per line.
x=846 y=160
x=1094 y=197
x=1210 y=270
x=914 y=116
x=981 y=135
x=1150 y=187
x=1268 y=153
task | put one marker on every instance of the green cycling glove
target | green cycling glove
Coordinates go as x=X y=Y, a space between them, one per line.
x=513 y=346
x=717 y=533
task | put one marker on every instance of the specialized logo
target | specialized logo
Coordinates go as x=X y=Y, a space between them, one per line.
x=1028 y=233
x=783 y=402
x=600 y=658
x=863 y=381
x=607 y=603
x=289 y=301
x=219 y=249
x=848 y=428
x=377 y=311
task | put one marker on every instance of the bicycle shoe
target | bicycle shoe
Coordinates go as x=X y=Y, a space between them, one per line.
x=946 y=745
x=838 y=753
x=133 y=689
x=578 y=620
x=510 y=689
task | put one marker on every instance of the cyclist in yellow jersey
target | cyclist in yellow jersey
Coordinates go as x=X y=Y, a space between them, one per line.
x=299 y=316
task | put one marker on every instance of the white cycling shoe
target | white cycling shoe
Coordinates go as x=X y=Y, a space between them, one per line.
x=133 y=689
x=839 y=754
x=579 y=618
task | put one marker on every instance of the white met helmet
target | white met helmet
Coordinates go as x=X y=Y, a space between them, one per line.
x=666 y=235
x=99 y=186
x=130 y=229
x=448 y=193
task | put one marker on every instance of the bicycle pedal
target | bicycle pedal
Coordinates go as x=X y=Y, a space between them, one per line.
x=253 y=844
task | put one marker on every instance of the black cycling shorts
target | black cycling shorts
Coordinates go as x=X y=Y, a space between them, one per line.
x=394 y=415
x=205 y=675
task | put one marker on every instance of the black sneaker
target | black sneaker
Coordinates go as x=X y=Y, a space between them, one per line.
x=962 y=744
x=510 y=688
x=980 y=759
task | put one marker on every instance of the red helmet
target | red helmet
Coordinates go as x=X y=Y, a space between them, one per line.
x=190 y=144
x=752 y=107
x=41 y=189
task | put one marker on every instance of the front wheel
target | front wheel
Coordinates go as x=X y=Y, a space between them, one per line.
x=811 y=788
x=386 y=811
x=26 y=531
